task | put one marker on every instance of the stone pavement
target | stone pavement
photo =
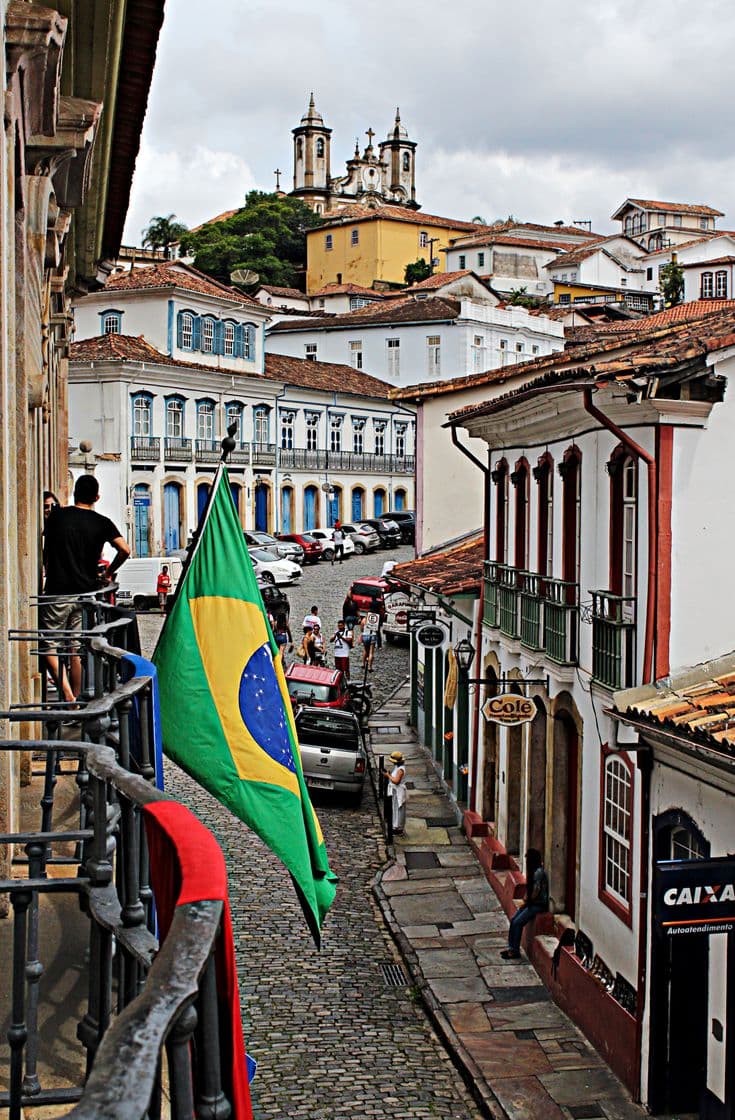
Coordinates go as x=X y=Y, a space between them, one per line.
x=524 y=1058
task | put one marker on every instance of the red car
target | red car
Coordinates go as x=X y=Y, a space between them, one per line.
x=311 y=546
x=319 y=688
x=369 y=594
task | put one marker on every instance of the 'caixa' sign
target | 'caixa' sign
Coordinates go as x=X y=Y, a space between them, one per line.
x=695 y=896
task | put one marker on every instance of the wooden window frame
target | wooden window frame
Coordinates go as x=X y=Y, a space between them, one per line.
x=623 y=910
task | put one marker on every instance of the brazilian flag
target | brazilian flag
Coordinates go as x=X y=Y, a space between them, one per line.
x=225 y=711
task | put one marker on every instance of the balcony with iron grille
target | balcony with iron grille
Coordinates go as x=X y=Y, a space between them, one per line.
x=263 y=454
x=301 y=458
x=540 y=612
x=145 y=449
x=208 y=451
x=613 y=639
x=177 y=450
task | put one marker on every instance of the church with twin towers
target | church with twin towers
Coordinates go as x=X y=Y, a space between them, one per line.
x=374 y=178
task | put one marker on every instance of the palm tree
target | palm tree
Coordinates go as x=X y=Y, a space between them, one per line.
x=162 y=233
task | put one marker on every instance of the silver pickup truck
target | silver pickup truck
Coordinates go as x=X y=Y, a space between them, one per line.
x=332 y=750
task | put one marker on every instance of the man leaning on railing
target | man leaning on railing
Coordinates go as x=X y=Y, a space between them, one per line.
x=74 y=537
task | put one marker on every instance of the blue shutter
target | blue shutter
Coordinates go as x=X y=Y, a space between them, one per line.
x=219 y=336
x=196 y=343
x=179 y=329
x=250 y=341
x=239 y=345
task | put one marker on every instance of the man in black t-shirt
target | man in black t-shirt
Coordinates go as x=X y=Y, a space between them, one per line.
x=74 y=537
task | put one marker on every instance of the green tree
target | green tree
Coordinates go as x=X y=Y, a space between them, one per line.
x=417 y=271
x=267 y=235
x=671 y=283
x=162 y=233
x=519 y=298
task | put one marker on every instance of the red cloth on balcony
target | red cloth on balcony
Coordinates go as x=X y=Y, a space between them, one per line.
x=187 y=865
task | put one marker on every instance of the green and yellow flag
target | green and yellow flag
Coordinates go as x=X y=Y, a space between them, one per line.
x=225 y=712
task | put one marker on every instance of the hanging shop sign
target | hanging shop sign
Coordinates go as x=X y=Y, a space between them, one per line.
x=432 y=635
x=508 y=709
x=695 y=896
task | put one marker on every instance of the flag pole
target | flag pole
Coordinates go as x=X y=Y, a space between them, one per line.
x=228 y=445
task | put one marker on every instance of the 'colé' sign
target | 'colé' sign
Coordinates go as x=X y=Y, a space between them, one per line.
x=508 y=708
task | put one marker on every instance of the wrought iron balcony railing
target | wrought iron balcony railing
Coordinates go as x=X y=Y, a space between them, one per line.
x=145 y=1003
x=146 y=448
x=263 y=454
x=540 y=611
x=613 y=639
x=176 y=449
x=208 y=451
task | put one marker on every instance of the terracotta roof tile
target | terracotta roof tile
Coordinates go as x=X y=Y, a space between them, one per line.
x=438 y=280
x=348 y=289
x=392 y=311
x=682 y=313
x=455 y=570
x=704 y=264
x=619 y=359
x=673 y=207
x=358 y=213
x=686 y=244
x=218 y=218
x=282 y=293
x=324 y=375
x=582 y=252
x=511 y=239
x=174 y=274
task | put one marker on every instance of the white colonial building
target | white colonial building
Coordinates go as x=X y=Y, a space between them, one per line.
x=314 y=441
x=422 y=338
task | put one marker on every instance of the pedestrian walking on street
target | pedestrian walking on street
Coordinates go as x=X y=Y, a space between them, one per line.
x=50 y=502
x=343 y=640
x=73 y=540
x=537 y=902
x=282 y=634
x=163 y=587
x=350 y=612
x=311 y=620
x=314 y=647
x=338 y=537
x=369 y=641
x=397 y=791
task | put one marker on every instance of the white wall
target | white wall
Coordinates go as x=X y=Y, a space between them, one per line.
x=450 y=502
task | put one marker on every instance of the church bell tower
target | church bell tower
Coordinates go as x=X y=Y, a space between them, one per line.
x=311 y=172
x=399 y=155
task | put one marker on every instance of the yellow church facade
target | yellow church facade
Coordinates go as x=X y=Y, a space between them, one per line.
x=363 y=244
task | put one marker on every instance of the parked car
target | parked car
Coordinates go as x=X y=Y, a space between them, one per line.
x=388 y=531
x=332 y=750
x=287 y=550
x=274 y=600
x=273 y=569
x=406 y=521
x=317 y=686
x=136 y=580
x=324 y=536
x=309 y=545
x=364 y=537
x=369 y=594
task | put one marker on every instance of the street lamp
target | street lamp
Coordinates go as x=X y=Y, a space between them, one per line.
x=464 y=651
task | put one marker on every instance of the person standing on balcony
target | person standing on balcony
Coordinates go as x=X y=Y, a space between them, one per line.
x=537 y=902
x=73 y=540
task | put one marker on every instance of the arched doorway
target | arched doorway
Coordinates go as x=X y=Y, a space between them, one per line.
x=378 y=502
x=358 y=503
x=399 y=499
x=311 y=508
x=262 y=494
x=679 y=987
x=172 y=533
x=537 y=779
x=203 y=489
x=142 y=507
x=565 y=808
x=490 y=754
x=287 y=509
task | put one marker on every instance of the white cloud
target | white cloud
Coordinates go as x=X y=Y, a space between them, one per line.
x=195 y=184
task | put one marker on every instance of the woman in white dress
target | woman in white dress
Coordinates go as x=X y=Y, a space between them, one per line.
x=397 y=791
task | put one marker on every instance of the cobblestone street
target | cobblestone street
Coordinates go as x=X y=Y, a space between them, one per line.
x=332 y=1036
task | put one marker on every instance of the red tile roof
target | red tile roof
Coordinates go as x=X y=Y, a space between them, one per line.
x=576 y=256
x=669 y=347
x=704 y=264
x=682 y=313
x=282 y=293
x=349 y=290
x=407 y=310
x=107 y=347
x=511 y=239
x=456 y=570
x=496 y=376
x=218 y=218
x=174 y=274
x=699 y=707
x=330 y=376
x=358 y=213
x=671 y=207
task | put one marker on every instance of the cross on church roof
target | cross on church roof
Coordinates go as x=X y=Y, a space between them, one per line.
x=278 y=174
x=369 y=133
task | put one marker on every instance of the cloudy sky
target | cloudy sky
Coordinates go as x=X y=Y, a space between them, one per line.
x=538 y=110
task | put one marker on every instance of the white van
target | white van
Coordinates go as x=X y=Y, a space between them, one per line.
x=137 y=578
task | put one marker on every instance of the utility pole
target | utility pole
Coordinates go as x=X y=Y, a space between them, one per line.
x=431 y=242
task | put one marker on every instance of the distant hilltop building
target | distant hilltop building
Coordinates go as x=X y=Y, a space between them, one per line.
x=373 y=178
